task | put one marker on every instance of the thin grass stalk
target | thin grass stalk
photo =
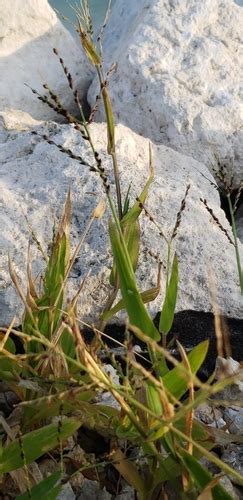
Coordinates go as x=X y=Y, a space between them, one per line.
x=111 y=137
x=118 y=389
x=42 y=339
x=59 y=428
x=101 y=379
x=6 y=334
x=108 y=305
x=167 y=271
x=95 y=215
x=237 y=253
x=189 y=415
x=101 y=32
x=159 y=384
x=161 y=350
x=117 y=182
x=25 y=467
x=21 y=292
x=211 y=457
x=237 y=198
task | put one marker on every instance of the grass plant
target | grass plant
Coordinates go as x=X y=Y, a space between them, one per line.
x=58 y=376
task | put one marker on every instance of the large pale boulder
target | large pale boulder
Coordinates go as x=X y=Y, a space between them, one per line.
x=34 y=180
x=29 y=30
x=179 y=75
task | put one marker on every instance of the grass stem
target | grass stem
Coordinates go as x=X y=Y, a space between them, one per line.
x=237 y=253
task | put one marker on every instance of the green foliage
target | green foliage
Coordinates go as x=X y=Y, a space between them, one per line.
x=59 y=375
x=137 y=313
x=33 y=445
x=237 y=253
x=147 y=296
x=175 y=381
x=203 y=478
x=44 y=311
x=130 y=223
x=168 y=309
x=47 y=488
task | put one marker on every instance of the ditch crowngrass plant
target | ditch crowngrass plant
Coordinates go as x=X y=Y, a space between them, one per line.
x=59 y=375
x=226 y=188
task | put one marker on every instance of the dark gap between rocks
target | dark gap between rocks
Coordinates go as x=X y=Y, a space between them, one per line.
x=224 y=203
x=190 y=328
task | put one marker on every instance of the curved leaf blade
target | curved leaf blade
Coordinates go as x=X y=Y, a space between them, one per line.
x=168 y=309
x=174 y=381
x=35 y=444
x=134 y=306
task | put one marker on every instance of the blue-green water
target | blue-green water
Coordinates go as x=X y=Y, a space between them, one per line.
x=97 y=7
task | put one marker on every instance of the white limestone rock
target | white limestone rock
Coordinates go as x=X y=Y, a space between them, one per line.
x=179 y=75
x=34 y=180
x=29 y=30
x=14 y=119
x=232 y=456
x=234 y=420
x=66 y=493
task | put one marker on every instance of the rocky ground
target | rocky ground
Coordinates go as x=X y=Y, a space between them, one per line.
x=178 y=86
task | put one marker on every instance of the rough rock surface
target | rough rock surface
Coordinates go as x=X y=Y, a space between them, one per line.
x=34 y=180
x=233 y=456
x=234 y=420
x=91 y=489
x=180 y=72
x=28 y=32
x=66 y=493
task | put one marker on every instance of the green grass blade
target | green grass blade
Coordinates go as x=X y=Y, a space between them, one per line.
x=146 y=296
x=134 y=306
x=169 y=469
x=131 y=233
x=202 y=477
x=35 y=444
x=110 y=121
x=174 y=380
x=153 y=398
x=67 y=343
x=45 y=489
x=129 y=223
x=168 y=309
x=132 y=239
x=126 y=201
x=45 y=312
x=134 y=212
x=37 y=412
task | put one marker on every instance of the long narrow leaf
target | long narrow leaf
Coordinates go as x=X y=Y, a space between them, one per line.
x=129 y=223
x=45 y=489
x=202 y=477
x=153 y=398
x=168 y=310
x=35 y=444
x=135 y=308
x=146 y=296
x=134 y=212
x=128 y=470
x=174 y=380
x=109 y=121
